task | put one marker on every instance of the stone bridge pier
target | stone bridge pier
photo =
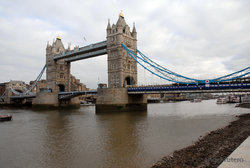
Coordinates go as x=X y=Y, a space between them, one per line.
x=113 y=99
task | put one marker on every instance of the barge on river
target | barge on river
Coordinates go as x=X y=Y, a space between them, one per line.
x=5 y=117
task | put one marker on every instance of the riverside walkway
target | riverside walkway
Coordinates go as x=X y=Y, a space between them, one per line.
x=240 y=157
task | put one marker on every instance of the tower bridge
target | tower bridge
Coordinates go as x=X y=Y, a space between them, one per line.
x=123 y=57
x=122 y=69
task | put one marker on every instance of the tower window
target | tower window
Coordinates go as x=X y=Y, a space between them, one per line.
x=61 y=75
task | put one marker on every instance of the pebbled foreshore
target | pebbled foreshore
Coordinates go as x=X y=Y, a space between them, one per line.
x=210 y=150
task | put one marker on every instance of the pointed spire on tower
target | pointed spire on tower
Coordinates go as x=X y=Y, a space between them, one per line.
x=48 y=44
x=58 y=37
x=134 y=30
x=53 y=44
x=108 y=27
x=134 y=33
x=121 y=21
x=69 y=44
x=121 y=14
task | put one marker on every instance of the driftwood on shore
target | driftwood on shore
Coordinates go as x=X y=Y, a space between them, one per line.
x=212 y=149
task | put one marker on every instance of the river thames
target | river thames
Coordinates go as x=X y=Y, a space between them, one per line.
x=78 y=137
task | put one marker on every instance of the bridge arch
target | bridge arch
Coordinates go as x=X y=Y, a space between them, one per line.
x=61 y=88
x=129 y=80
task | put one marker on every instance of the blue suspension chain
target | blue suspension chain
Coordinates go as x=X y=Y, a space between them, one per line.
x=159 y=68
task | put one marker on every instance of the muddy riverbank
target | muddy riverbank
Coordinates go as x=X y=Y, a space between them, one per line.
x=210 y=150
x=244 y=105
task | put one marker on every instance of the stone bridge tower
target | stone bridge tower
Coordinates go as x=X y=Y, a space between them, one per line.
x=57 y=77
x=57 y=72
x=122 y=69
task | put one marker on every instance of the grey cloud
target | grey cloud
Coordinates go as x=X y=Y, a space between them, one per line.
x=194 y=38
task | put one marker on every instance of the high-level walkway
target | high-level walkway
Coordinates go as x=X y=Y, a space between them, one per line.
x=240 y=158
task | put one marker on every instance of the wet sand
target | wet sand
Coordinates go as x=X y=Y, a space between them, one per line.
x=210 y=150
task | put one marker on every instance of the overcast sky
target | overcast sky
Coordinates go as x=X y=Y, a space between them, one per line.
x=200 y=39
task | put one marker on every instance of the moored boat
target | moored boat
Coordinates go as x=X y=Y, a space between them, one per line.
x=196 y=100
x=5 y=117
x=221 y=100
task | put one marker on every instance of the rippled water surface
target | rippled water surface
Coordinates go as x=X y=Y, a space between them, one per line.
x=81 y=138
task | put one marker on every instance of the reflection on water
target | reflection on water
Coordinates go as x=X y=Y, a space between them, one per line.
x=81 y=138
x=57 y=140
x=122 y=136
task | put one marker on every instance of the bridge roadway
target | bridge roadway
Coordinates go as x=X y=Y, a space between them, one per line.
x=68 y=95
x=61 y=95
x=23 y=96
x=89 y=51
x=212 y=88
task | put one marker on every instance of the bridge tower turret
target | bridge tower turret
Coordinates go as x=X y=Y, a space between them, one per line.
x=122 y=69
x=57 y=72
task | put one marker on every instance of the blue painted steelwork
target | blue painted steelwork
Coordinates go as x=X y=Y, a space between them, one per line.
x=161 y=68
x=134 y=56
x=177 y=78
x=29 y=91
x=191 y=87
x=2 y=96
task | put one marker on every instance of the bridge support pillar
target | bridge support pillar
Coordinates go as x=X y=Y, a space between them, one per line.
x=7 y=96
x=46 y=99
x=70 y=102
x=117 y=99
x=49 y=99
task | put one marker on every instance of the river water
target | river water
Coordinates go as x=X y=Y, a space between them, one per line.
x=77 y=138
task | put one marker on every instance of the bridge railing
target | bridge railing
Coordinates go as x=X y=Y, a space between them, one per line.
x=191 y=87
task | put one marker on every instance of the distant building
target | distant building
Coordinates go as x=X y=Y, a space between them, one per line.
x=19 y=86
x=76 y=85
x=40 y=85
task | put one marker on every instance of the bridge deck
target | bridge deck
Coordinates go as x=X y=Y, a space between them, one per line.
x=213 y=88
x=23 y=96
x=68 y=95
x=85 y=52
x=189 y=91
x=87 y=55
